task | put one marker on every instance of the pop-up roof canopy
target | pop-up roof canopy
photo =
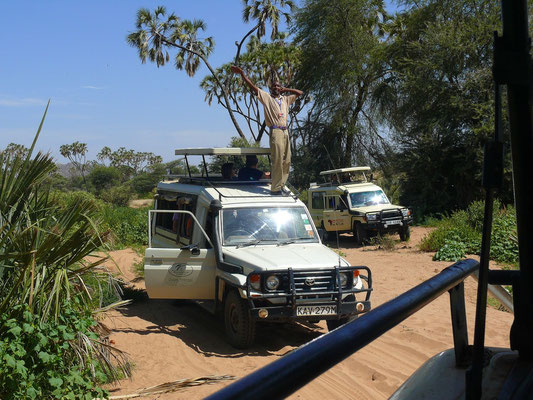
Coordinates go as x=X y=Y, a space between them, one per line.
x=344 y=170
x=223 y=151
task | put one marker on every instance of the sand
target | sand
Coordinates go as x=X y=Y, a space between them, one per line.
x=171 y=340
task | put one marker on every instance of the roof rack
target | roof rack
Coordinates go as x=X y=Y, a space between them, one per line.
x=344 y=170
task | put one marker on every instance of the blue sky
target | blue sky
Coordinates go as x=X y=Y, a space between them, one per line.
x=75 y=54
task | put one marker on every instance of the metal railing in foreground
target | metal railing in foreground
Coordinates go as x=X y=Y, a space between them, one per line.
x=286 y=375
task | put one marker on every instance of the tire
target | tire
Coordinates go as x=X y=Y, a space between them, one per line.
x=335 y=323
x=405 y=233
x=359 y=234
x=240 y=326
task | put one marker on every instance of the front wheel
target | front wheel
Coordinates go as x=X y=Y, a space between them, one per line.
x=405 y=233
x=240 y=326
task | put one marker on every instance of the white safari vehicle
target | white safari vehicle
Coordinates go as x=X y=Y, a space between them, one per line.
x=246 y=254
x=349 y=202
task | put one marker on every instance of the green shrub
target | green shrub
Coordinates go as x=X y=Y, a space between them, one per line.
x=38 y=359
x=117 y=195
x=460 y=234
x=102 y=177
x=129 y=225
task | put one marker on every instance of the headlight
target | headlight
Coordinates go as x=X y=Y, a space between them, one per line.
x=255 y=281
x=272 y=282
x=371 y=217
x=405 y=212
x=344 y=279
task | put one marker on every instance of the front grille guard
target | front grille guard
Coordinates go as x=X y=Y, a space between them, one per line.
x=383 y=219
x=292 y=293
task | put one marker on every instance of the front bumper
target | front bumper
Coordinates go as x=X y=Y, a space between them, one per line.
x=294 y=294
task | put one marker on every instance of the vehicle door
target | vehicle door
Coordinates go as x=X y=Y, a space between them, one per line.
x=186 y=268
x=336 y=215
x=317 y=207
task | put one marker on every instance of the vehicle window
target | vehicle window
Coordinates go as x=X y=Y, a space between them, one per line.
x=317 y=200
x=266 y=225
x=208 y=229
x=176 y=226
x=370 y=198
x=330 y=202
x=342 y=202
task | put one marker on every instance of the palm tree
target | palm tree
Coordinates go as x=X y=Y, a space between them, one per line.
x=263 y=11
x=154 y=35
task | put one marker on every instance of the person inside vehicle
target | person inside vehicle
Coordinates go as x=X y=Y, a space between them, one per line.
x=250 y=172
x=228 y=172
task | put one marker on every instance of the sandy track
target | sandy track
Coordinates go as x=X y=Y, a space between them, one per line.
x=170 y=340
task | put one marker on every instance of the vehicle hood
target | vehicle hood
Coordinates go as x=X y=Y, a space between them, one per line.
x=296 y=256
x=376 y=208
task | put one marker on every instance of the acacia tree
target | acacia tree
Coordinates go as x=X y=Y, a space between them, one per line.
x=341 y=45
x=437 y=99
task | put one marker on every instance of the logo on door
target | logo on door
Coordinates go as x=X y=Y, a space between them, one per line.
x=180 y=270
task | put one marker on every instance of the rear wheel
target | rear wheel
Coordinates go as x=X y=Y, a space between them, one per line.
x=359 y=233
x=240 y=326
x=405 y=233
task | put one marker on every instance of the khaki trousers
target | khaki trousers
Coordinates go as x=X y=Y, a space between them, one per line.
x=280 y=153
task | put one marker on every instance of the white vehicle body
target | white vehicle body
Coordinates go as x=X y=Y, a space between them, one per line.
x=229 y=242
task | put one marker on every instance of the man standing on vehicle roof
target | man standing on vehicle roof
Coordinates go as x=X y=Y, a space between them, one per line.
x=276 y=109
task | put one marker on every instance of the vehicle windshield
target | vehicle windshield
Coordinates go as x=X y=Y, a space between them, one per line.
x=266 y=225
x=371 y=198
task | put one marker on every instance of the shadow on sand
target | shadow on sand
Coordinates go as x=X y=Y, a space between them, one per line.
x=204 y=332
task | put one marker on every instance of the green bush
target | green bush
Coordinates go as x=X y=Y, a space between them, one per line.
x=102 y=177
x=38 y=359
x=129 y=225
x=460 y=233
x=117 y=195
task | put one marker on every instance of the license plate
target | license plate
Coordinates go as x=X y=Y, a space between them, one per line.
x=315 y=310
x=394 y=222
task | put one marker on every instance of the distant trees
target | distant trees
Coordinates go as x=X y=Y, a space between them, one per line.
x=76 y=153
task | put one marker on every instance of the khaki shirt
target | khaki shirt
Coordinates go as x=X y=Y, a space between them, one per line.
x=276 y=109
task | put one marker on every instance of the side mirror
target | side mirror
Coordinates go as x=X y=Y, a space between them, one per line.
x=193 y=248
x=322 y=234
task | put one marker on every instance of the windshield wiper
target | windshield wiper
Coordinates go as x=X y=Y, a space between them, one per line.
x=254 y=242
x=293 y=240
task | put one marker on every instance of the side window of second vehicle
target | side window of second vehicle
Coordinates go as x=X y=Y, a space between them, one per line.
x=317 y=200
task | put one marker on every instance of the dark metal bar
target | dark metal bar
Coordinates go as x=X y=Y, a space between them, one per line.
x=288 y=374
x=460 y=333
x=519 y=89
x=503 y=277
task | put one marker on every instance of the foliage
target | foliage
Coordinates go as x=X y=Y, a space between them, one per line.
x=117 y=195
x=437 y=100
x=102 y=177
x=43 y=250
x=460 y=234
x=129 y=225
x=37 y=358
x=130 y=162
x=341 y=45
x=76 y=153
x=385 y=242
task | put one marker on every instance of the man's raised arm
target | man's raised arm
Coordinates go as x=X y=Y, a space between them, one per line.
x=237 y=70
x=291 y=91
